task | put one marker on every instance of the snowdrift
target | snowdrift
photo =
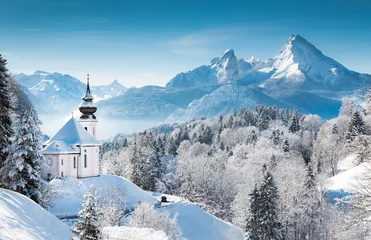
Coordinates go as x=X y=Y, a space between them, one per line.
x=196 y=224
x=69 y=204
x=21 y=218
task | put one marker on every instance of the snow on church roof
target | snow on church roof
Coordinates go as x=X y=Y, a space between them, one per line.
x=72 y=133
x=58 y=147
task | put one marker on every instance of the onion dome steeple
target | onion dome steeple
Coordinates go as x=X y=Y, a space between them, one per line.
x=87 y=107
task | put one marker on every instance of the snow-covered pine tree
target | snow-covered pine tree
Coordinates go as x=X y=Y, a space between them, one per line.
x=88 y=227
x=21 y=169
x=356 y=127
x=294 y=122
x=286 y=145
x=263 y=223
x=5 y=112
x=252 y=221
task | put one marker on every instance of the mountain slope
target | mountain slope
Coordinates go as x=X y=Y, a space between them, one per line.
x=21 y=219
x=224 y=100
x=151 y=102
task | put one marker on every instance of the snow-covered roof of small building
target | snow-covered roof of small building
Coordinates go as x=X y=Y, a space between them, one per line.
x=58 y=147
x=72 y=133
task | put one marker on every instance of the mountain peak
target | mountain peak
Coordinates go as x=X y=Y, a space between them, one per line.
x=39 y=72
x=229 y=53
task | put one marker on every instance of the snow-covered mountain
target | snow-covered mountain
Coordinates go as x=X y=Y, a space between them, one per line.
x=299 y=76
x=61 y=91
x=108 y=91
x=301 y=65
x=224 y=69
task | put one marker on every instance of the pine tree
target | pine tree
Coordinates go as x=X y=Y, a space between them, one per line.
x=294 y=122
x=269 y=224
x=356 y=127
x=263 y=222
x=252 y=222
x=88 y=227
x=21 y=170
x=6 y=111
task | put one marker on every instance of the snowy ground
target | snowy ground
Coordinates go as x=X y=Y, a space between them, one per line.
x=21 y=218
x=196 y=224
x=349 y=176
x=128 y=233
x=69 y=204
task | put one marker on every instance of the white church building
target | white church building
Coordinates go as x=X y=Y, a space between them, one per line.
x=74 y=150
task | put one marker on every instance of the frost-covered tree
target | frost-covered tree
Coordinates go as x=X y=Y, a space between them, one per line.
x=21 y=168
x=348 y=107
x=110 y=205
x=145 y=216
x=88 y=227
x=6 y=111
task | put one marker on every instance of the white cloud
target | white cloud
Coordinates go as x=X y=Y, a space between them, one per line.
x=202 y=42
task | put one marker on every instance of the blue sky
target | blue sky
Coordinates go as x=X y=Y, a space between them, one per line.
x=149 y=42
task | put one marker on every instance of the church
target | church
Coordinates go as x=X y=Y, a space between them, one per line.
x=74 y=150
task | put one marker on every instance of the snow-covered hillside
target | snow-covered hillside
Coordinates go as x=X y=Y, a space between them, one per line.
x=196 y=224
x=69 y=204
x=21 y=218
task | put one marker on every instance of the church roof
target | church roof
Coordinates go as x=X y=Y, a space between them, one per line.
x=72 y=133
x=58 y=147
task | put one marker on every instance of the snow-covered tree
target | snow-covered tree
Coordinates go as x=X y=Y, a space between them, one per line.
x=294 y=122
x=6 y=111
x=145 y=216
x=21 y=168
x=88 y=227
x=356 y=127
x=110 y=205
x=348 y=107
x=263 y=222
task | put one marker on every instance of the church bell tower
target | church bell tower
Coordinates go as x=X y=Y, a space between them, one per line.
x=87 y=109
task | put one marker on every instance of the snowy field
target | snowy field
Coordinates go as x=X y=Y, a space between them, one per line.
x=22 y=219
x=69 y=204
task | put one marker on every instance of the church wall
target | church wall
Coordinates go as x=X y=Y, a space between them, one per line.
x=90 y=126
x=92 y=161
x=52 y=166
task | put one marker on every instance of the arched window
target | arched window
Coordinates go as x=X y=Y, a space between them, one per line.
x=74 y=162
x=85 y=162
x=50 y=162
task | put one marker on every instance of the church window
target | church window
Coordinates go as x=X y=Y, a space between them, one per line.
x=85 y=160
x=61 y=161
x=61 y=174
x=50 y=162
x=74 y=162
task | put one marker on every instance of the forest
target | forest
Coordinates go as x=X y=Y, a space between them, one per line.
x=262 y=169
